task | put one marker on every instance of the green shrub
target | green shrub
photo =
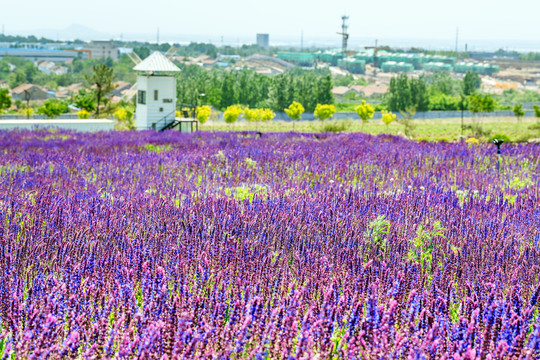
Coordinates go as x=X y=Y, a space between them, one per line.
x=337 y=126
x=502 y=137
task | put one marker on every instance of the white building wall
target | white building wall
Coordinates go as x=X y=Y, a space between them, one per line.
x=83 y=125
x=155 y=109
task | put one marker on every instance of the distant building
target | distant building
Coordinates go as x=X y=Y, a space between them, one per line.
x=40 y=54
x=48 y=67
x=263 y=40
x=103 y=50
x=31 y=92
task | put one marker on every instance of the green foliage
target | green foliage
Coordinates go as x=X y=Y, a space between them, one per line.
x=481 y=103
x=103 y=80
x=406 y=120
x=404 y=93
x=248 y=88
x=336 y=126
x=53 y=108
x=519 y=96
x=324 y=91
x=502 y=137
x=423 y=245
x=375 y=235
x=323 y=112
x=232 y=113
x=5 y=100
x=443 y=102
x=518 y=111
x=157 y=148
x=365 y=111
x=295 y=110
x=125 y=117
x=442 y=83
x=27 y=111
x=532 y=56
x=471 y=83
x=202 y=113
x=348 y=80
x=536 y=111
x=85 y=100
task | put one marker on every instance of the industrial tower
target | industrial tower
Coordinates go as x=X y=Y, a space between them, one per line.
x=344 y=33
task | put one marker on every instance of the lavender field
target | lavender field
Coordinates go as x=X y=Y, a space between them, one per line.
x=223 y=245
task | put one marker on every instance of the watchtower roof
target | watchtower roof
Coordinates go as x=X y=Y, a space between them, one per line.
x=157 y=62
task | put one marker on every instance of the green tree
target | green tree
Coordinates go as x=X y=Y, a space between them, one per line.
x=419 y=95
x=232 y=113
x=5 y=100
x=323 y=112
x=52 y=108
x=471 y=83
x=294 y=111
x=399 y=93
x=518 y=111
x=324 y=91
x=480 y=104
x=103 y=80
x=536 y=111
x=365 y=112
x=85 y=100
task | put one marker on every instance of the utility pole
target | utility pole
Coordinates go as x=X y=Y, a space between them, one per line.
x=457 y=36
x=302 y=41
x=158 y=36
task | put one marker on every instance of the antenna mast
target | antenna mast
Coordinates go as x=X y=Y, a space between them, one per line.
x=344 y=33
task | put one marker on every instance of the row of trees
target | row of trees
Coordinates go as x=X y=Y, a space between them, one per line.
x=221 y=88
x=436 y=92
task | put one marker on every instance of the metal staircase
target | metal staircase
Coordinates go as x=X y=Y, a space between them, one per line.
x=170 y=122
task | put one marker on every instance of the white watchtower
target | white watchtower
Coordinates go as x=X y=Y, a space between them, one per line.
x=156 y=92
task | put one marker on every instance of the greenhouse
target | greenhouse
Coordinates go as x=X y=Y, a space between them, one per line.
x=331 y=57
x=352 y=65
x=396 y=67
x=438 y=67
x=482 y=69
x=301 y=59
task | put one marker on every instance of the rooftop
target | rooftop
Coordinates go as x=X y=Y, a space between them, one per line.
x=156 y=62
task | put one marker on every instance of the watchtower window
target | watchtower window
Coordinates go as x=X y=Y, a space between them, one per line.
x=141 y=97
x=155 y=95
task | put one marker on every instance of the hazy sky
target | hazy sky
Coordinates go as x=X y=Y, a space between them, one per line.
x=500 y=20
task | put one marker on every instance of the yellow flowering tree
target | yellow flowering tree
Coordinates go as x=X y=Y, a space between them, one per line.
x=267 y=114
x=388 y=118
x=202 y=113
x=125 y=118
x=83 y=114
x=323 y=112
x=295 y=111
x=365 y=112
x=232 y=113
